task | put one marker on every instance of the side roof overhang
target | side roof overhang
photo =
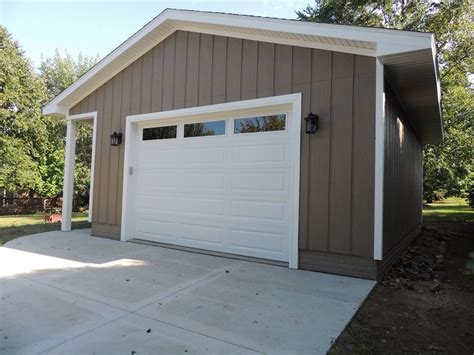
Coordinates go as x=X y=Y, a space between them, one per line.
x=409 y=57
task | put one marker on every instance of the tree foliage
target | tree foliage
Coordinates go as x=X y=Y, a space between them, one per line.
x=448 y=167
x=24 y=133
x=31 y=144
x=58 y=73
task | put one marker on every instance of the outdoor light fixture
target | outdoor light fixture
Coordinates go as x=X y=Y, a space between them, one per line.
x=116 y=139
x=311 y=123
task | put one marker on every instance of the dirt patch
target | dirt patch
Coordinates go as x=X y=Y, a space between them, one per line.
x=425 y=304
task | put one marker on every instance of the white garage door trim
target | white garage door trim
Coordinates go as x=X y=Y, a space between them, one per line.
x=290 y=103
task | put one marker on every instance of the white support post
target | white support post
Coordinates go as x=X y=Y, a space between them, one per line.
x=68 y=185
x=91 y=186
x=379 y=160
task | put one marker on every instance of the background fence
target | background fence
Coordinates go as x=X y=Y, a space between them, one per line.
x=25 y=205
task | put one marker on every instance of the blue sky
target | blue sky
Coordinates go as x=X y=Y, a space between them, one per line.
x=97 y=27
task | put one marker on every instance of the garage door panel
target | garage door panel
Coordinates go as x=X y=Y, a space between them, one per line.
x=229 y=193
x=259 y=153
x=156 y=156
x=156 y=202
x=151 y=179
x=259 y=182
x=256 y=240
x=201 y=206
x=156 y=190
x=166 y=228
x=207 y=155
x=203 y=181
x=258 y=210
x=196 y=232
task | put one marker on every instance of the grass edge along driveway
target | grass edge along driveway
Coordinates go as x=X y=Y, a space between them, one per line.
x=15 y=226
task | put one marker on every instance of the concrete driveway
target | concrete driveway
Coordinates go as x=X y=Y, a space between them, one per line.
x=69 y=293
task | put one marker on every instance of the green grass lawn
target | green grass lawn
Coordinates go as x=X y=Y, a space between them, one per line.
x=453 y=208
x=37 y=218
x=12 y=227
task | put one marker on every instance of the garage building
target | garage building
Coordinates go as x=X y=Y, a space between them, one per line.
x=273 y=140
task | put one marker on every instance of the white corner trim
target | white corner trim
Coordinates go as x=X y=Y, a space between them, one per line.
x=294 y=239
x=379 y=161
x=84 y=117
x=127 y=195
x=292 y=101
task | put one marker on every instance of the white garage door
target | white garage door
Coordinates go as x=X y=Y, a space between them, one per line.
x=223 y=184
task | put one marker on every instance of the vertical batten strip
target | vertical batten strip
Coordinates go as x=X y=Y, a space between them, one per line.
x=114 y=151
x=124 y=111
x=341 y=153
x=105 y=171
x=98 y=156
x=318 y=216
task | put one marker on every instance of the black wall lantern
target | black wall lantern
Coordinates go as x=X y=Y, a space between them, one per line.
x=116 y=139
x=311 y=123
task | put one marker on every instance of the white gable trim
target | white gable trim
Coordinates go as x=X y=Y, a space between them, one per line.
x=349 y=39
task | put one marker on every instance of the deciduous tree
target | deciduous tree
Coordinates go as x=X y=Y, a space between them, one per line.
x=448 y=167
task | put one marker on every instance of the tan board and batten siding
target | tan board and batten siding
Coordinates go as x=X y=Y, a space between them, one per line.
x=337 y=164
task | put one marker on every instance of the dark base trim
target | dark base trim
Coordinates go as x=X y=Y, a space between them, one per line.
x=394 y=254
x=332 y=263
x=340 y=264
x=102 y=230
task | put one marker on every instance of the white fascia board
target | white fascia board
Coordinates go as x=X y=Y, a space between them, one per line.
x=387 y=41
x=136 y=37
x=52 y=109
x=201 y=28
x=438 y=84
x=397 y=44
x=291 y=26
x=277 y=30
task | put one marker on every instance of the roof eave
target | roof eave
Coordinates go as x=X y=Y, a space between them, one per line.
x=415 y=80
x=52 y=109
x=381 y=43
x=171 y=20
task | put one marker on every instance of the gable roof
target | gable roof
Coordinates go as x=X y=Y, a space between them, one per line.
x=408 y=56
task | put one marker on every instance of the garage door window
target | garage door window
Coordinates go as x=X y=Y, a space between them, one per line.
x=260 y=124
x=166 y=132
x=200 y=129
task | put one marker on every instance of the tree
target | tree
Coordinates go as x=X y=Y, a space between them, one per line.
x=31 y=144
x=58 y=73
x=18 y=171
x=448 y=167
x=24 y=135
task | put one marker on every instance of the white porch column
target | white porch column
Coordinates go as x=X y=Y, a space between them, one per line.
x=68 y=185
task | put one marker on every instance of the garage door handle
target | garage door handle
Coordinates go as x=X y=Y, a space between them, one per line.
x=130 y=170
